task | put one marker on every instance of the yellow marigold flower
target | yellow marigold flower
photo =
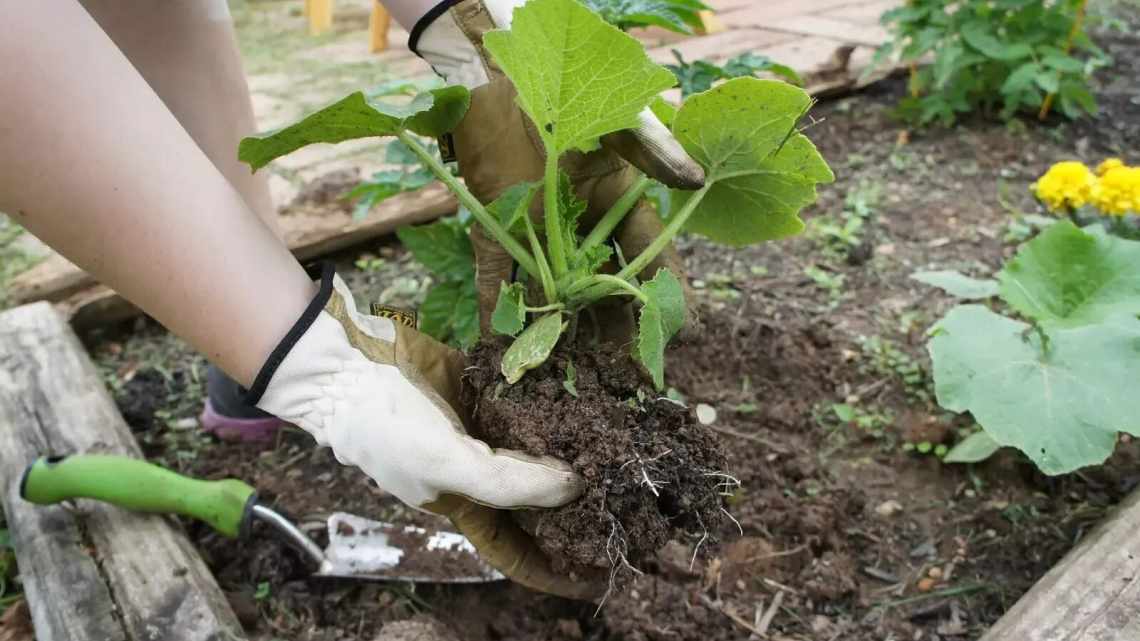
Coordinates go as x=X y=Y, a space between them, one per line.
x=1067 y=184
x=1108 y=164
x=1118 y=191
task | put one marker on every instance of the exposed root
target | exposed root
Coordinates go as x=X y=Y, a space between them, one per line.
x=616 y=547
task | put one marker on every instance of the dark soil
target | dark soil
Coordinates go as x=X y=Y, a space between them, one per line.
x=848 y=535
x=652 y=472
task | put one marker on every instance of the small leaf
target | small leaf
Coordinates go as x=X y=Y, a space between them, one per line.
x=1061 y=399
x=570 y=384
x=432 y=113
x=975 y=448
x=844 y=412
x=577 y=77
x=958 y=284
x=666 y=292
x=675 y=15
x=761 y=172
x=532 y=347
x=511 y=207
x=651 y=343
x=1068 y=276
x=510 y=311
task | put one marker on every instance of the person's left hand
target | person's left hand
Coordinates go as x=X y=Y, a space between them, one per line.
x=385 y=398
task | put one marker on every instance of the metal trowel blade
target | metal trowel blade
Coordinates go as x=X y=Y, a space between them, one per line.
x=361 y=548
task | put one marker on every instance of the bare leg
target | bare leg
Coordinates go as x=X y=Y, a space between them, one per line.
x=187 y=52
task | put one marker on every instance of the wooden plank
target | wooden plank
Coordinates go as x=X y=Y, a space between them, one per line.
x=1093 y=594
x=720 y=46
x=761 y=14
x=91 y=571
x=867 y=13
x=311 y=231
x=842 y=30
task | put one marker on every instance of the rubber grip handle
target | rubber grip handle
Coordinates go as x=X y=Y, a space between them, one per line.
x=139 y=486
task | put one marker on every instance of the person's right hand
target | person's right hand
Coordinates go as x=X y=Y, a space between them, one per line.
x=497 y=148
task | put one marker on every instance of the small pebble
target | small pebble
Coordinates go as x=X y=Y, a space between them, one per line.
x=935 y=573
x=706 y=414
x=926 y=584
x=889 y=508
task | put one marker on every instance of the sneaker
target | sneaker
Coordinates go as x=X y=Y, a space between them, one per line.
x=229 y=417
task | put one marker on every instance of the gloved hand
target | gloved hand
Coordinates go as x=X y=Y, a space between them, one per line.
x=384 y=397
x=497 y=147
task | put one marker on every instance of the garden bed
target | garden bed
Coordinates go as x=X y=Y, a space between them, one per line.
x=812 y=355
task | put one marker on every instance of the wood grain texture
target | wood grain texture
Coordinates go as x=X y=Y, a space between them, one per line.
x=90 y=571
x=310 y=231
x=1093 y=594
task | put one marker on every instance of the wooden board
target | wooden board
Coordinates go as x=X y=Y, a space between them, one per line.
x=1093 y=594
x=311 y=232
x=91 y=571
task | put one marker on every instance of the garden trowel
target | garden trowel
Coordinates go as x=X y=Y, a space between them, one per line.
x=358 y=548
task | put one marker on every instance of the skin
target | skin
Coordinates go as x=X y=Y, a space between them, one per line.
x=96 y=165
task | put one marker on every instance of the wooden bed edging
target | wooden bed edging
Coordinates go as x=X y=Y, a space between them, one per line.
x=1093 y=594
x=90 y=571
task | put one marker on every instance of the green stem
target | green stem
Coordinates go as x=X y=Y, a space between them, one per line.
x=676 y=223
x=617 y=213
x=468 y=200
x=554 y=307
x=553 y=215
x=545 y=276
x=616 y=283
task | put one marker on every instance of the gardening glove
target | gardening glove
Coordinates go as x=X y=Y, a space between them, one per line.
x=384 y=398
x=497 y=147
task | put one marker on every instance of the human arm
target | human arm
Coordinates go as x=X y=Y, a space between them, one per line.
x=94 y=164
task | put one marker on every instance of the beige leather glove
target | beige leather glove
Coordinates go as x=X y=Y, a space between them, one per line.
x=497 y=148
x=384 y=396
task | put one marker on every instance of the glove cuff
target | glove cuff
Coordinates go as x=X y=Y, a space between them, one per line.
x=326 y=274
x=450 y=38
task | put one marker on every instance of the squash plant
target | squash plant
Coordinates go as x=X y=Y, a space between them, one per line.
x=1055 y=379
x=761 y=171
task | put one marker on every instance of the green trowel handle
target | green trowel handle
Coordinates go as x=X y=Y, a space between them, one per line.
x=139 y=486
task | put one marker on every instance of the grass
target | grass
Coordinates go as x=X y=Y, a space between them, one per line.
x=14 y=259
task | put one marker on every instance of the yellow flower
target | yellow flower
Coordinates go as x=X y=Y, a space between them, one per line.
x=1108 y=164
x=1067 y=184
x=1118 y=191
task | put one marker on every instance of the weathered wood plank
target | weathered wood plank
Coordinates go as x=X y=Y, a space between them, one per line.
x=1093 y=594
x=310 y=232
x=91 y=571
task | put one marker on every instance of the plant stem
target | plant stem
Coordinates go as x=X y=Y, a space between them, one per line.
x=554 y=307
x=545 y=276
x=606 y=279
x=553 y=215
x=676 y=223
x=617 y=213
x=593 y=289
x=468 y=200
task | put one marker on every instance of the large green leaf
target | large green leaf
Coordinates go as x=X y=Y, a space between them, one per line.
x=532 y=347
x=450 y=313
x=761 y=171
x=443 y=247
x=432 y=113
x=1061 y=400
x=958 y=284
x=1066 y=276
x=578 y=78
x=662 y=316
